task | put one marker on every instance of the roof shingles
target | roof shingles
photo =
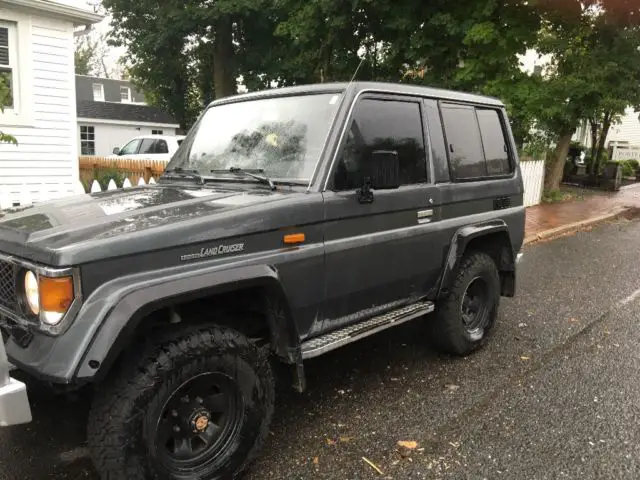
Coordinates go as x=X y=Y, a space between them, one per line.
x=123 y=111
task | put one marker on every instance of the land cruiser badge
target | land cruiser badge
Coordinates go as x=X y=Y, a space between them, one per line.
x=214 y=251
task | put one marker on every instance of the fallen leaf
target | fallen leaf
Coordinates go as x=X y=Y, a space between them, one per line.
x=522 y=325
x=410 y=444
x=452 y=387
x=573 y=320
x=345 y=439
x=316 y=460
x=330 y=442
x=372 y=465
x=525 y=358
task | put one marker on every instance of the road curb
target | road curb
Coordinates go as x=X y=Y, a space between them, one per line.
x=575 y=226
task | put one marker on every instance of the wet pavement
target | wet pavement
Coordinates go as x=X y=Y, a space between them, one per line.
x=553 y=395
x=549 y=216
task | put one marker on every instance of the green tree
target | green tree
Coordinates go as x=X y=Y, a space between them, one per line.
x=593 y=73
x=85 y=55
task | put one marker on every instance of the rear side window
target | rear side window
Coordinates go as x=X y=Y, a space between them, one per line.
x=161 y=146
x=147 y=147
x=463 y=141
x=494 y=143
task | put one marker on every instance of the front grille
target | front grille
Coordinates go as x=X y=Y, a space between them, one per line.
x=8 y=297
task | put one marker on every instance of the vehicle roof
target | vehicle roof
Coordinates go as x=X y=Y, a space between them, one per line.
x=398 y=88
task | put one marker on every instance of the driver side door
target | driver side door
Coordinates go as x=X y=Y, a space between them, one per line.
x=377 y=254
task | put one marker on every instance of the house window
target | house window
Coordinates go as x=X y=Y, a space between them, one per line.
x=8 y=64
x=98 y=92
x=156 y=132
x=87 y=140
x=125 y=94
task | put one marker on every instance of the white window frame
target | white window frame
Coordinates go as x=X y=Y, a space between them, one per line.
x=19 y=26
x=100 y=97
x=87 y=127
x=128 y=99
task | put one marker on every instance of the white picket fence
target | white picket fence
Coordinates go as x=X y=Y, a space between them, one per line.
x=21 y=195
x=533 y=178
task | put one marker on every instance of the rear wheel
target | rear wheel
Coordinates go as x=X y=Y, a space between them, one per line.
x=196 y=406
x=466 y=314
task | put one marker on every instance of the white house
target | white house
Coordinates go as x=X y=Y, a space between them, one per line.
x=37 y=60
x=112 y=112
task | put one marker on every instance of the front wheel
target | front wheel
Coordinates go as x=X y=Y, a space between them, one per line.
x=196 y=407
x=466 y=314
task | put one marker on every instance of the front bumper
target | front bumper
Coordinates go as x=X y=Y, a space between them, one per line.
x=14 y=402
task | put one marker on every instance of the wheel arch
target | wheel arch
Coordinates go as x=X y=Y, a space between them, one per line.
x=118 y=330
x=489 y=237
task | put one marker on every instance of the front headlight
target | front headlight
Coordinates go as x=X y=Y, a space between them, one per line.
x=32 y=292
x=48 y=298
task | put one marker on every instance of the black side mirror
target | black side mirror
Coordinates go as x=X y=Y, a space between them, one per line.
x=381 y=172
x=116 y=151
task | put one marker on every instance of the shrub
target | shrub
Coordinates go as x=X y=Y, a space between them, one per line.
x=629 y=167
x=105 y=175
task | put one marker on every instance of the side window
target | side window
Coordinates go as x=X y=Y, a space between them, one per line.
x=383 y=125
x=161 y=146
x=147 y=147
x=463 y=141
x=130 y=148
x=493 y=140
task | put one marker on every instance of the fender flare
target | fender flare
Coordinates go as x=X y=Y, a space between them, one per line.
x=461 y=239
x=119 y=326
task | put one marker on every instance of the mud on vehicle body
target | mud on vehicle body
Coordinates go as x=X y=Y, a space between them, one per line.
x=289 y=223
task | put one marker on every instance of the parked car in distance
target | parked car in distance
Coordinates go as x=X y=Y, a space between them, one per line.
x=149 y=147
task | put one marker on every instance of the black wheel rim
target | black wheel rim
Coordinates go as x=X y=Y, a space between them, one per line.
x=198 y=422
x=475 y=307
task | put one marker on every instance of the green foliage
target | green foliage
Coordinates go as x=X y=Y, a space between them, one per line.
x=6 y=98
x=105 y=175
x=629 y=167
x=86 y=55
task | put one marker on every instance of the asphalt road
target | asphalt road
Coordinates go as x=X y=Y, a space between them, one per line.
x=555 y=394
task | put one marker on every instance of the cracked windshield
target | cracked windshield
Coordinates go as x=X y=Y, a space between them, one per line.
x=319 y=239
x=281 y=136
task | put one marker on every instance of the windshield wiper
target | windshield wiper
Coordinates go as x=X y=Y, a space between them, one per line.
x=181 y=173
x=253 y=173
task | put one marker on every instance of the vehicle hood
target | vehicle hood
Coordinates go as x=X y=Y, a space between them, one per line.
x=89 y=227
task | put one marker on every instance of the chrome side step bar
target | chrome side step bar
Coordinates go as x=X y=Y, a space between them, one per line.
x=330 y=341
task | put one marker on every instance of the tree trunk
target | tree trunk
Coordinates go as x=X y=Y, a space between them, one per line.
x=224 y=82
x=594 y=138
x=555 y=168
x=606 y=125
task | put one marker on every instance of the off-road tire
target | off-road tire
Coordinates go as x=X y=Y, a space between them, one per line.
x=447 y=331
x=131 y=400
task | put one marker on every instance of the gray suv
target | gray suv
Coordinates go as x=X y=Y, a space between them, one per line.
x=289 y=223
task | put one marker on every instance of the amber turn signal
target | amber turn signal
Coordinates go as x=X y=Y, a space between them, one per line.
x=56 y=294
x=294 y=238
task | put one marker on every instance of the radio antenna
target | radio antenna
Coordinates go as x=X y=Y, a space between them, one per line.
x=356 y=72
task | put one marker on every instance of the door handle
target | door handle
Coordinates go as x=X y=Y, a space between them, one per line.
x=424 y=216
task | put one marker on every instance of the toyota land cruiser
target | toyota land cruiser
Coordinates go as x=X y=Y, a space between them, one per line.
x=289 y=223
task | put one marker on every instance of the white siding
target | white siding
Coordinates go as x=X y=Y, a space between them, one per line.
x=47 y=146
x=109 y=136
x=628 y=130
